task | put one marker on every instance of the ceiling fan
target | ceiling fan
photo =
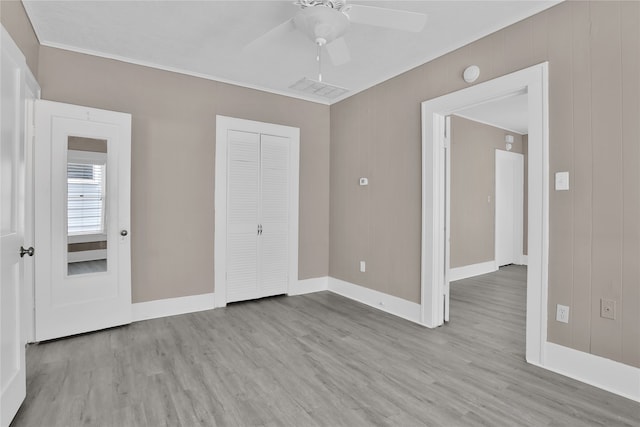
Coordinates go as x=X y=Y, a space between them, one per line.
x=325 y=22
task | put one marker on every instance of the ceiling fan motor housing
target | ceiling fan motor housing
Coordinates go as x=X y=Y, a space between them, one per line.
x=324 y=23
x=335 y=4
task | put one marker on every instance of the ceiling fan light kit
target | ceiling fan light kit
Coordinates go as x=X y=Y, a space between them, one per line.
x=322 y=23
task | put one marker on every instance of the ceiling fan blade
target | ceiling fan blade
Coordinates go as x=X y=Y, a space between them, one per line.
x=338 y=51
x=388 y=18
x=273 y=36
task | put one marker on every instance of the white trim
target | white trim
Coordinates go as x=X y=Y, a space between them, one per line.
x=433 y=273
x=618 y=378
x=308 y=286
x=223 y=125
x=29 y=318
x=90 y=255
x=393 y=305
x=472 y=270
x=524 y=260
x=172 y=306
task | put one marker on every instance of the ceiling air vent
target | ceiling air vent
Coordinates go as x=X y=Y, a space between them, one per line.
x=313 y=87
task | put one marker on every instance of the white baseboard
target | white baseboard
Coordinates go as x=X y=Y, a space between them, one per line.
x=393 y=305
x=524 y=260
x=615 y=377
x=308 y=286
x=472 y=270
x=172 y=306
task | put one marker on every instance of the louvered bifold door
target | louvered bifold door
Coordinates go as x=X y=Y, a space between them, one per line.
x=242 y=215
x=274 y=219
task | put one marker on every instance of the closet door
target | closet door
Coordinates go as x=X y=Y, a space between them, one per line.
x=243 y=154
x=273 y=242
x=256 y=214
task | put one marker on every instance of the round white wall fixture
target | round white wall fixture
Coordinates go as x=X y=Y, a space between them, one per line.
x=471 y=73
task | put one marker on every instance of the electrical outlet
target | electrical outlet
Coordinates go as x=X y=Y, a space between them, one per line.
x=363 y=266
x=562 y=313
x=608 y=309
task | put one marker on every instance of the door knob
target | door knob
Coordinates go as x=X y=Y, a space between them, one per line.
x=124 y=233
x=24 y=251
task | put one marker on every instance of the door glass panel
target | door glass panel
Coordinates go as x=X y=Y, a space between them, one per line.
x=86 y=219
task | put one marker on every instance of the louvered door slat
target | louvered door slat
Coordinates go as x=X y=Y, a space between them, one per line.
x=274 y=205
x=242 y=215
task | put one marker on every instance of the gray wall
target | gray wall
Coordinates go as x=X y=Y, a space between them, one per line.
x=593 y=49
x=15 y=21
x=173 y=149
x=473 y=188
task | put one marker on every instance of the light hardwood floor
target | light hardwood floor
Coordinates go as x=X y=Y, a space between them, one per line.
x=317 y=359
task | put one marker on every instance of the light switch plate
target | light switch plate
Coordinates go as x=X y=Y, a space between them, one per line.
x=363 y=266
x=562 y=181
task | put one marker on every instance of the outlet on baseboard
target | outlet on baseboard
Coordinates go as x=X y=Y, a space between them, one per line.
x=608 y=309
x=562 y=313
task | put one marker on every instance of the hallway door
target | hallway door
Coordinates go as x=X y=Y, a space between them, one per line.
x=509 y=207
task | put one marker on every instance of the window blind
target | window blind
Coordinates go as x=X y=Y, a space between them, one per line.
x=85 y=198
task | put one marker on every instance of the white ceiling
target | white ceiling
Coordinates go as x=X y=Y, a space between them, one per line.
x=205 y=38
x=510 y=113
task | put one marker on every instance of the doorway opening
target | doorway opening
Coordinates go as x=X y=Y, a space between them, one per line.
x=486 y=187
x=435 y=279
x=486 y=218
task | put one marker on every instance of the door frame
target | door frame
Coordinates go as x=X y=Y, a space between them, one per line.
x=535 y=80
x=520 y=231
x=223 y=125
x=29 y=318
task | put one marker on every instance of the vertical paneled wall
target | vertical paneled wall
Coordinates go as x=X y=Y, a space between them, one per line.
x=472 y=192
x=593 y=49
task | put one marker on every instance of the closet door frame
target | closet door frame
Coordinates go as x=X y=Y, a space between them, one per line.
x=223 y=126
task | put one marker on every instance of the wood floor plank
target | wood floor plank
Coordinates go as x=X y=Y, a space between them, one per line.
x=315 y=360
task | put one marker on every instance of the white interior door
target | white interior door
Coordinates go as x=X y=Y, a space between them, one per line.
x=256 y=216
x=509 y=207
x=12 y=229
x=243 y=151
x=82 y=175
x=274 y=215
